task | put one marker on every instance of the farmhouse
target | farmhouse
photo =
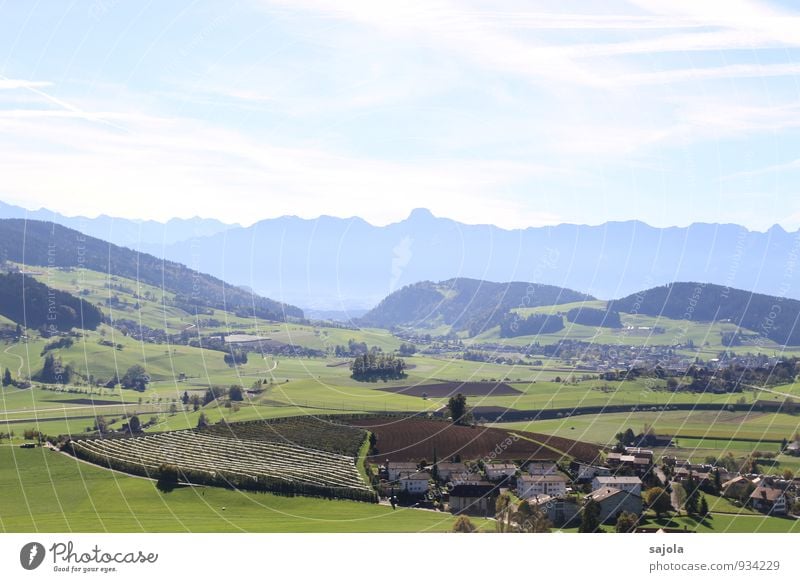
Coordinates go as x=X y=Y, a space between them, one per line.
x=496 y=471
x=416 y=483
x=737 y=487
x=394 y=470
x=542 y=468
x=630 y=484
x=683 y=476
x=477 y=498
x=769 y=500
x=614 y=501
x=793 y=449
x=640 y=460
x=533 y=485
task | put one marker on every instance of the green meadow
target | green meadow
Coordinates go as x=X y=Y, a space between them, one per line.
x=46 y=491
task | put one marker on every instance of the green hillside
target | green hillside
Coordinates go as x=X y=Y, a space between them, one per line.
x=462 y=304
x=44 y=244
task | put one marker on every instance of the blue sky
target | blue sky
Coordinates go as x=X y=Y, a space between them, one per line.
x=514 y=113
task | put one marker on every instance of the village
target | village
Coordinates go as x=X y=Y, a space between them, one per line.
x=624 y=483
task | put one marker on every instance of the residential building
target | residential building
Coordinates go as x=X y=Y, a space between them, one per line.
x=495 y=471
x=415 y=483
x=394 y=469
x=563 y=511
x=542 y=468
x=445 y=471
x=533 y=485
x=629 y=484
x=769 y=500
x=613 y=501
x=477 y=498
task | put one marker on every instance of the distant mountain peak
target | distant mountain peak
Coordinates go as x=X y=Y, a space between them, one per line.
x=419 y=214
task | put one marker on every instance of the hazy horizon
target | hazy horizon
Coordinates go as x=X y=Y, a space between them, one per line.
x=247 y=224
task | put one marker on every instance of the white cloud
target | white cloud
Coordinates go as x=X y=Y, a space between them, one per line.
x=161 y=168
x=6 y=83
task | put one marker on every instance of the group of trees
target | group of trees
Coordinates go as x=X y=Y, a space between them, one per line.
x=513 y=325
x=53 y=371
x=374 y=366
x=25 y=300
x=351 y=350
x=594 y=317
x=236 y=357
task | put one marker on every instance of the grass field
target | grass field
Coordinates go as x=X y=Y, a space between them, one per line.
x=707 y=426
x=45 y=491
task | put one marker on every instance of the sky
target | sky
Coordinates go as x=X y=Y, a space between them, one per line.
x=512 y=113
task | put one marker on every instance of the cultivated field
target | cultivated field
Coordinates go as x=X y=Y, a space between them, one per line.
x=208 y=458
x=414 y=439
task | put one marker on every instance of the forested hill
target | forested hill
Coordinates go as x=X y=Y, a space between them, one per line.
x=34 y=305
x=39 y=243
x=771 y=317
x=464 y=304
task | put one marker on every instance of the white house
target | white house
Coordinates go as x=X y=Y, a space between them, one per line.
x=500 y=470
x=533 y=485
x=447 y=471
x=542 y=468
x=585 y=472
x=394 y=470
x=627 y=484
x=416 y=483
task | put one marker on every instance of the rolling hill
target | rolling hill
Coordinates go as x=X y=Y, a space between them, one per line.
x=775 y=318
x=463 y=304
x=46 y=244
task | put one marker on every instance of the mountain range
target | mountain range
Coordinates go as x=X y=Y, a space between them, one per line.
x=341 y=264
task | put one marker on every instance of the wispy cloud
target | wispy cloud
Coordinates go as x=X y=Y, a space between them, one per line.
x=6 y=83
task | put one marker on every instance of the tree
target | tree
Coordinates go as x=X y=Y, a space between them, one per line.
x=212 y=393
x=7 y=380
x=626 y=522
x=235 y=393
x=196 y=402
x=680 y=494
x=202 y=420
x=185 y=398
x=630 y=437
x=717 y=482
x=135 y=377
x=167 y=477
x=531 y=519
x=590 y=517
x=692 y=496
x=463 y=525
x=134 y=425
x=503 y=512
x=658 y=500
x=703 y=510
x=459 y=411
x=101 y=425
